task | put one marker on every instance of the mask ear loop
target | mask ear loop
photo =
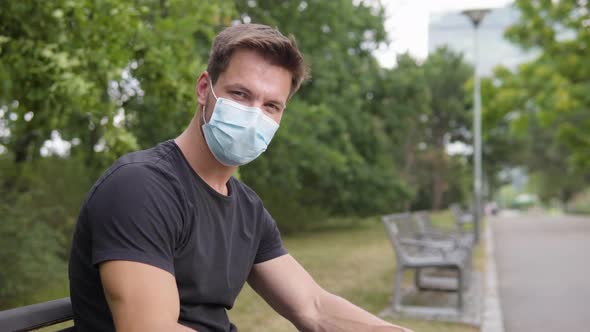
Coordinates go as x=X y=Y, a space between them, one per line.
x=203 y=115
x=211 y=86
x=203 y=110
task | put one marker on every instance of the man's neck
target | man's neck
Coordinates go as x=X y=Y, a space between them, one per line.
x=192 y=144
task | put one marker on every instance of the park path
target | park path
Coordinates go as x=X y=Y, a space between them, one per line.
x=543 y=265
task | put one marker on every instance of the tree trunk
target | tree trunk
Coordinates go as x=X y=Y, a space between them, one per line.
x=409 y=163
x=439 y=163
x=437 y=188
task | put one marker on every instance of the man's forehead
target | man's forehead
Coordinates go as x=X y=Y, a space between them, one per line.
x=251 y=70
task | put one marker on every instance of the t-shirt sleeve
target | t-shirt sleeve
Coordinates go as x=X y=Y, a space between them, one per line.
x=135 y=215
x=271 y=246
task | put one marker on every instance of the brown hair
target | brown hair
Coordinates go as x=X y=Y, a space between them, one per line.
x=268 y=42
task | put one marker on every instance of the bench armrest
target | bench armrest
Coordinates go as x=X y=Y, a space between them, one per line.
x=35 y=316
x=443 y=245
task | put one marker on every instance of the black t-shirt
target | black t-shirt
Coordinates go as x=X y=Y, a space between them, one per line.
x=151 y=207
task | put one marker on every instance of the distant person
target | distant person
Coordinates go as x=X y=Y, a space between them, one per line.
x=492 y=209
x=166 y=238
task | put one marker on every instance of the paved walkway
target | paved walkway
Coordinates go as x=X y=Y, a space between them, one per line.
x=543 y=267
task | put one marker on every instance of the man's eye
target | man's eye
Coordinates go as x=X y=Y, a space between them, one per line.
x=239 y=94
x=273 y=108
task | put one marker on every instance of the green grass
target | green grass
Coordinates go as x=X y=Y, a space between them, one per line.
x=351 y=258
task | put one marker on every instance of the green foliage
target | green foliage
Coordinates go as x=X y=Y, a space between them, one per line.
x=560 y=77
x=543 y=108
x=30 y=250
x=422 y=108
x=38 y=216
x=169 y=52
x=446 y=74
x=58 y=58
x=62 y=62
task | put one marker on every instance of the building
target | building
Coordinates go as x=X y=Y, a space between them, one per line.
x=456 y=30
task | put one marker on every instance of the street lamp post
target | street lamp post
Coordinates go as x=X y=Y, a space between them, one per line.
x=476 y=16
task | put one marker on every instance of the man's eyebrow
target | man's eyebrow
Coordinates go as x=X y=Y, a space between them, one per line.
x=238 y=86
x=248 y=91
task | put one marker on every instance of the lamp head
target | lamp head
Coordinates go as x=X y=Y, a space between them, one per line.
x=476 y=15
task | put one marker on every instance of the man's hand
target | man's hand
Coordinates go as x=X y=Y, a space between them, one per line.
x=141 y=297
x=293 y=293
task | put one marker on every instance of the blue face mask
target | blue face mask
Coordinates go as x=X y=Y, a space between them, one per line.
x=237 y=134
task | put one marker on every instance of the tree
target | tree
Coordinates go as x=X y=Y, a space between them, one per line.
x=517 y=134
x=401 y=104
x=170 y=50
x=423 y=107
x=560 y=77
x=58 y=58
x=542 y=108
x=75 y=66
x=446 y=74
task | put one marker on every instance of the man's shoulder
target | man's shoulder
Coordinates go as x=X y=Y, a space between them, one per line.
x=140 y=169
x=158 y=156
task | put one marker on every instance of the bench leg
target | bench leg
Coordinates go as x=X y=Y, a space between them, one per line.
x=460 y=288
x=397 y=288
x=469 y=270
x=417 y=278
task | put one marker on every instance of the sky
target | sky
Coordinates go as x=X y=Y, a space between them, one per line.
x=407 y=24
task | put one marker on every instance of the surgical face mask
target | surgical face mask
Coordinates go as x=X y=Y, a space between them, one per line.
x=237 y=134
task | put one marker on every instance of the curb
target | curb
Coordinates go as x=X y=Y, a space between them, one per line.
x=492 y=320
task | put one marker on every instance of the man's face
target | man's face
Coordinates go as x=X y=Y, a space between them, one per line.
x=249 y=80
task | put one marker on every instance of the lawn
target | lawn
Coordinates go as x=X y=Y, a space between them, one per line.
x=351 y=258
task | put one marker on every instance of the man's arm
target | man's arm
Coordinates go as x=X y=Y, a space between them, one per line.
x=293 y=293
x=141 y=297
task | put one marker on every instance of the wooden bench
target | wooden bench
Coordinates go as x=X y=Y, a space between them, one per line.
x=36 y=316
x=413 y=252
x=456 y=238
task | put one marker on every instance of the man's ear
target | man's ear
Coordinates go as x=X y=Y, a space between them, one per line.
x=202 y=88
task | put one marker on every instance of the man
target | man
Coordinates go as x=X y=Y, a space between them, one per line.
x=166 y=238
